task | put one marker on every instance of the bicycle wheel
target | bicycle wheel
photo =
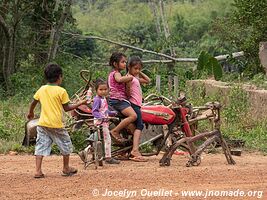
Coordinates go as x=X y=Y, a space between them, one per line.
x=98 y=153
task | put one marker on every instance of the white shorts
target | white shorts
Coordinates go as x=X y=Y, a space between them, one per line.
x=46 y=136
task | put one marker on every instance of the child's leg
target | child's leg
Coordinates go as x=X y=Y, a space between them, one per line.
x=67 y=170
x=38 y=162
x=138 y=130
x=42 y=148
x=136 y=140
x=61 y=137
x=130 y=117
x=137 y=133
x=107 y=141
x=66 y=161
x=135 y=153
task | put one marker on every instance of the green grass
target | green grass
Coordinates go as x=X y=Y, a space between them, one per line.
x=236 y=123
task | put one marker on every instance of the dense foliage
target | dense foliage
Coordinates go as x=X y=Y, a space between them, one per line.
x=30 y=31
x=245 y=28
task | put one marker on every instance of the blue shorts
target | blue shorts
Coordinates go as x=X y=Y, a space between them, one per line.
x=46 y=136
x=138 y=122
x=119 y=105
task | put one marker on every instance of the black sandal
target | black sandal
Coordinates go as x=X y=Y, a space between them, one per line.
x=70 y=173
x=39 y=176
x=119 y=138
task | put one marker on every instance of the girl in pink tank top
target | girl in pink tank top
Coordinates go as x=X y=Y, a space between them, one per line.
x=134 y=93
x=117 y=91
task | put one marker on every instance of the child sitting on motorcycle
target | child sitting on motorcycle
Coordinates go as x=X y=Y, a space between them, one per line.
x=134 y=93
x=100 y=112
x=117 y=94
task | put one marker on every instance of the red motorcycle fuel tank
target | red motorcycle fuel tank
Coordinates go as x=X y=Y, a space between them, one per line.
x=157 y=114
x=83 y=108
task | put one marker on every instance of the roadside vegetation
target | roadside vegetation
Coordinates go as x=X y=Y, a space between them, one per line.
x=214 y=27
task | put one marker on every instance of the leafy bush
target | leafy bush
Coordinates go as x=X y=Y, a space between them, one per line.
x=238 y=105
x=78 y=139
x=245 y=27
x=4 y=133
x=209 y=65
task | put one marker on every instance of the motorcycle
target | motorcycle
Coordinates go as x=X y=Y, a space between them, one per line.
x=167 y=122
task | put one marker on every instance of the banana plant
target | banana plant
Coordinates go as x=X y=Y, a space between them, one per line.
x=210 y=65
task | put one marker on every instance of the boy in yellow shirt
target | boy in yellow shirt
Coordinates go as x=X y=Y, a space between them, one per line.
x=53 y=100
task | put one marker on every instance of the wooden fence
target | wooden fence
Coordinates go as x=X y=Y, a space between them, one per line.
x=173 y=85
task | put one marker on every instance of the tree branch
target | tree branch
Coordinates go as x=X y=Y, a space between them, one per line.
x=5 y=27
x=122 y=45
x=170 y=58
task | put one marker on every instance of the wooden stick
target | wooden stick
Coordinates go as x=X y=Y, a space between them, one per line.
x=170 y=58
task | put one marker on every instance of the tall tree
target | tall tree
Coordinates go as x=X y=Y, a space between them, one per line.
x=11 y=14
x=41 y=22
x=26 y=27
x=161 y=23
x=154 y=10
x=56 y=30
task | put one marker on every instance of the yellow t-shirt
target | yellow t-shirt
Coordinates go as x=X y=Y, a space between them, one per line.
x=51 y=98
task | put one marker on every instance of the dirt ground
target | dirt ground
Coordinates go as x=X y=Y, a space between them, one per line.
x=136 y=180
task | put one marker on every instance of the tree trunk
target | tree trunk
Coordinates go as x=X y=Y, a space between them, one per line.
x=263 y=55
x=154 y=10
x=166 y=33
x=11 y=53
x=164 y=23
x=56 y=31
x=1 y=54
x=42 y=27
x=6 y=65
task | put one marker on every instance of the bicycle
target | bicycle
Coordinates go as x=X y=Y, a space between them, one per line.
x=96 y=144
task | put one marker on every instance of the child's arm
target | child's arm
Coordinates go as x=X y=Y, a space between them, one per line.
x=143 y=78
x=31 y=110
x=67 y=107
x=122 y=79
x=128 y=89
x=95 y=108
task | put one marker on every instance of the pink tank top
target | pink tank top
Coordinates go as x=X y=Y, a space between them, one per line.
x=136 y=92
x=116 y=90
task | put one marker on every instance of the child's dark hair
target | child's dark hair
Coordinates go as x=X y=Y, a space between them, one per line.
x=134 y=60
x=52 y=72
x=99 y=82
x=116 y=57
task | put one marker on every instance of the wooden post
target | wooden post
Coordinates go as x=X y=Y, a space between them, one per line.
x=158 y=83
x=176 y=86
x=170 y=86
x=263 y=55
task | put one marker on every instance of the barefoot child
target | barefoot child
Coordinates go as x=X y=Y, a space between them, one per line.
x=100 y=112
x=118 y=99
x=53 y=100
x=134 y=93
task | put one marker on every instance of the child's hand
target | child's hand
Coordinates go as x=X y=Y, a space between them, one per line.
x=130 y=76
x=84 y=102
